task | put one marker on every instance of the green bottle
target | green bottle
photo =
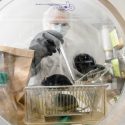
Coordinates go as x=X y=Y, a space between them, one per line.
x=3 y=78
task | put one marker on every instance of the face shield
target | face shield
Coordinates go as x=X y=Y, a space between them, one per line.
x=62 y=28
x=58 y=20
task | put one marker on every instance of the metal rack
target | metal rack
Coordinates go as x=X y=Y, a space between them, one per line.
x=94 y=76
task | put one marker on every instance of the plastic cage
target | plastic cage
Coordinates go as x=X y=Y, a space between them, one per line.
x=57 y=105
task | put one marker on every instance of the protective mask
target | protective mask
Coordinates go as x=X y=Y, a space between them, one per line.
x=62 y=29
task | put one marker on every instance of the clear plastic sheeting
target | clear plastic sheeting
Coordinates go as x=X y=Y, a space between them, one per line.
x=14 y=20
x=117 y=114
x=3 y=121
x=89 y=26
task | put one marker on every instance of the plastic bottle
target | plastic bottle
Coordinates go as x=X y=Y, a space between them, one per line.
x=107 y=46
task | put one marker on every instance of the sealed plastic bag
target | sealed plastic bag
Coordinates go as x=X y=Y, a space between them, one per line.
x=16 y=63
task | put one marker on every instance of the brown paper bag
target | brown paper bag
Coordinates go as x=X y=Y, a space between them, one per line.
x=17 y=63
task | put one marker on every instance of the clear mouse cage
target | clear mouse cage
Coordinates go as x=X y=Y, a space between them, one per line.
x=77 y=104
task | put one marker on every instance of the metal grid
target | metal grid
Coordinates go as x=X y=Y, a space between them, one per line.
x=95 y=76
x=55 y=101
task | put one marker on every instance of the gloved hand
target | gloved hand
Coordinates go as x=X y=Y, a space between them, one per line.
x=84 y=63
x=56 y=80
x=45 y=44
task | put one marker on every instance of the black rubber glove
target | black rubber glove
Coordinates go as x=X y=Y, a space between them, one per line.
x=84 y=63
x=56 y=80
x=45 y=44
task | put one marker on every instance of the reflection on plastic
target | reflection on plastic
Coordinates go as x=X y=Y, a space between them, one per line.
x=117 y=115
x=67 y=6
x=67 y=63
x=3 y=121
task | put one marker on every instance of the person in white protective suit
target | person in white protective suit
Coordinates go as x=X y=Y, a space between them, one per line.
x=48 y=59
x=46 y=45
